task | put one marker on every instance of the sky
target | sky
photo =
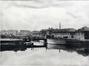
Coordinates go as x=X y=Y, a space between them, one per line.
x=42 y=14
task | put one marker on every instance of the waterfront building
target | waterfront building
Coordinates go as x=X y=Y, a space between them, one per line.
x=82 y=34
x=37 y=34
x=4 y=32
x=69 y=33
x=63 y=33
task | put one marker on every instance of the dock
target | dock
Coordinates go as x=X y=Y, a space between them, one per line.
x=20 y=44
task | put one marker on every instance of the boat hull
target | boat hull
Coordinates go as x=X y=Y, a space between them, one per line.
x=55 y=41
x=77 y=43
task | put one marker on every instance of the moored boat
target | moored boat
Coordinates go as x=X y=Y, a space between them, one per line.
x=55 y=41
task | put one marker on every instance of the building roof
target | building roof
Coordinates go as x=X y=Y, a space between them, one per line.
x=67 y=30
x=84 y=29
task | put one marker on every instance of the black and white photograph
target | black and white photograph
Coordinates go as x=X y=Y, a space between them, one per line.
x=44 y=33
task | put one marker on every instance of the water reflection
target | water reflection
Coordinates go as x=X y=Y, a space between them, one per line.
x=79 y=48
x=83 y=50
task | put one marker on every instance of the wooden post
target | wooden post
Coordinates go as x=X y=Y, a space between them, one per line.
x=45 y=43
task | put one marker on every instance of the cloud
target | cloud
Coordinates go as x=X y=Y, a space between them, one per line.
x=38 y=14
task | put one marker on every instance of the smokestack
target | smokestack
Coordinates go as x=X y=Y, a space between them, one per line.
x=59 y=25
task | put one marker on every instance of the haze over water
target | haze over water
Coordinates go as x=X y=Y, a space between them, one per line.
x=43 y=57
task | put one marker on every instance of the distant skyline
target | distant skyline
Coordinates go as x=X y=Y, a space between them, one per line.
x=42 y=14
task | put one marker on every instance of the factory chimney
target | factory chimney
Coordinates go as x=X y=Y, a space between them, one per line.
x=59 y=25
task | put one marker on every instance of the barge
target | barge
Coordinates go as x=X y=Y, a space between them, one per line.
x=14 y=44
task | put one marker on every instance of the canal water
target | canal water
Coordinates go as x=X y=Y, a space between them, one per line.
x=54 y=55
